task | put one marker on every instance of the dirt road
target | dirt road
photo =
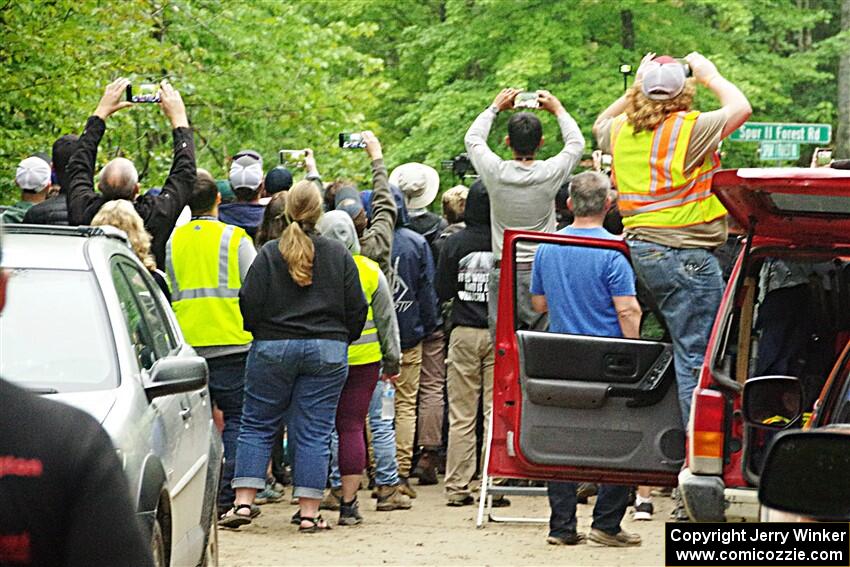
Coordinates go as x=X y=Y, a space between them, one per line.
x=431 y=534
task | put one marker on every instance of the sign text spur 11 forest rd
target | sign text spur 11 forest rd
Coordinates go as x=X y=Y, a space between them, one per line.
x=779 y=132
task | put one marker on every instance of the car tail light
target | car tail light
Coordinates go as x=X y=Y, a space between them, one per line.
x=705 y=445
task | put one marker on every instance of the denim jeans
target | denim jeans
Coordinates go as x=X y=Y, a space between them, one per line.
x=383 y=445
x=227 y=384
x=303 y=377
x=687 y=286
x=608 y=512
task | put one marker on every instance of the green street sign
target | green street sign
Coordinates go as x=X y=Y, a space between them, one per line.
x=778 y=151
x=779 y=132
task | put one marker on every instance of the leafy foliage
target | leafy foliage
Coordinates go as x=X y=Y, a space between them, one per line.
x=270 y=75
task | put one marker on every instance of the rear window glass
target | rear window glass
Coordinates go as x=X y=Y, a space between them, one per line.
x=54 y=332
x=818 y=204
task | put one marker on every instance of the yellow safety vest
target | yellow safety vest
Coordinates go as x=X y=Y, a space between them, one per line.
x=202 y=260
x=649 y=172
x=366 y=349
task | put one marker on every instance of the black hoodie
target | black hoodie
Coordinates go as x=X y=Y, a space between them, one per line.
x=465 y=262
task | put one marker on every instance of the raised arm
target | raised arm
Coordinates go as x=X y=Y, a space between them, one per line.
x=570 y=155
x=180 y=182
x=377 y=241
x=83 y=202
x=733 y=102
x=480 y=154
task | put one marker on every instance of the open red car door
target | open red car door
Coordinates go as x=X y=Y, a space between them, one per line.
x=803 y=206
x=573 y=407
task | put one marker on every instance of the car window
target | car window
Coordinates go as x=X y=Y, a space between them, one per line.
x=55 y=333
x=137 y=327
x=163 y=340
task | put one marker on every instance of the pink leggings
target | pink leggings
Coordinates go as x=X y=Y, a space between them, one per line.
x=351 y=416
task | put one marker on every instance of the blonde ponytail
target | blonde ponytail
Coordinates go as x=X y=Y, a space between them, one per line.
x=303 y=209
x=644 y=113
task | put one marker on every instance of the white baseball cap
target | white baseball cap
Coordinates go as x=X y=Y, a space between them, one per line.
x=246 y=170
x=663 y=79
x=418 y=182
x=33 y=174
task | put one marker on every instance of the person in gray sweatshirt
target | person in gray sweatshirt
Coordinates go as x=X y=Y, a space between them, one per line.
x=522 y=190
x=375 y=354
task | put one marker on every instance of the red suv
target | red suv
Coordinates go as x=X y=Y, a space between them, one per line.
x=601 y=409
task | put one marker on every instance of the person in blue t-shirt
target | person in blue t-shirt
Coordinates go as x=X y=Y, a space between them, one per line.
x=587 y=291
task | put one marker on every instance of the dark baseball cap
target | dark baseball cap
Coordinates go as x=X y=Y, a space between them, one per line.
x=348 y=199
x=278 y=179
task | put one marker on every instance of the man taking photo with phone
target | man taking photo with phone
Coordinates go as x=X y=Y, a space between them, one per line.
x=522 y=190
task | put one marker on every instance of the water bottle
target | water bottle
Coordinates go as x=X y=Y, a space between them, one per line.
x=388 y=402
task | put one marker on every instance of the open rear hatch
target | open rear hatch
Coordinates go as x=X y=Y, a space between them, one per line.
x=801 y=206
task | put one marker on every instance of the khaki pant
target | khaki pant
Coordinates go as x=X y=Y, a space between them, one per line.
x=407 y=390
x=470 y=376
x=432 y=379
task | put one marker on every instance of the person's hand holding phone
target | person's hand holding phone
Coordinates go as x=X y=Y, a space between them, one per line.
x=310 y=162
x=373 y=145
x=505 y=99
x=550 y=102
x=702 y=69
x=172 y=105
x=113 y=99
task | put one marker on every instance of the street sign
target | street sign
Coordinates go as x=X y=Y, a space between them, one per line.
x=779 y=132
x=778 y=151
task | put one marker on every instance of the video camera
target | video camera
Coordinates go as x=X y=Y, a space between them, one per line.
x=460 y=165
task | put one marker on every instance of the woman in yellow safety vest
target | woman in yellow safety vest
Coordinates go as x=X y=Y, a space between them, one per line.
x=376 y=352
x=664 y=155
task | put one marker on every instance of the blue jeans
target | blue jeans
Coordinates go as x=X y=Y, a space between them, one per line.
x=303 y=377
x=687 y=285
x=608 y=512
x=227 y=383
x=383 y=444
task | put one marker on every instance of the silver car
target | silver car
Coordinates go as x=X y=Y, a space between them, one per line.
x=86 y=324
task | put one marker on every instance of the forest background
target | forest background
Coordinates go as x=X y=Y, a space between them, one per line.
x=275 y=74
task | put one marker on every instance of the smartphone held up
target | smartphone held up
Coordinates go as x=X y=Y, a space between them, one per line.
x=292 y=158
x=145 y=93
x=526 y=99
x=351 y=141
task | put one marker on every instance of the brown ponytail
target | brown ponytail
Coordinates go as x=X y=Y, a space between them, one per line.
x=303 y=209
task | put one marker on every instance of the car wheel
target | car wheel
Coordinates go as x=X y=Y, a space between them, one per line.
x=158 y=544
x=210 y=558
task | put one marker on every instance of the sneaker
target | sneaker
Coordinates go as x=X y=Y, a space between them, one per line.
x=458 y=500
x=405 y=488
x=574 y=538
x=391 y=498
x=349 y=513
x=586 y=490
x=643 y=511
x=268 y=495
x=621 y=539
x=331 y=499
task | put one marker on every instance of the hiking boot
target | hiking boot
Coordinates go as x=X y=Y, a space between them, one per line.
x=621 y=539
x=391 y=498
x=331 y=499
x=349 y=513
x=458 y=500
x=643 y=511
x=586 y=490
x=405 y=488
x=268 y=495
x=426 y=468
x=574 y=538
x=679 y=514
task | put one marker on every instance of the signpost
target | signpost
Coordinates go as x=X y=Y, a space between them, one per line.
x=777 y=132
x=779 y=151
x=779 y=141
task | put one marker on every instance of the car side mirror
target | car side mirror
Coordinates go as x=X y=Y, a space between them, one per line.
x=808 y=473
x=772 y=402
x=175 y=375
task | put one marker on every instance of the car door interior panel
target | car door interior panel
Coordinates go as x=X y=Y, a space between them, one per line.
x=599 y=402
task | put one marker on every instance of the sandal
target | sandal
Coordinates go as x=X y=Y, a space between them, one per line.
x=317 y=524
x=233 y=519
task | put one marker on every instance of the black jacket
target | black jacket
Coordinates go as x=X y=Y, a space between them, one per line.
x=159 y=212
x=431 y=226
x=52 y=211
x=333 y=307
x=463 y=271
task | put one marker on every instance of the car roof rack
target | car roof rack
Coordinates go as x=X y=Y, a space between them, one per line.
x=83 y=231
